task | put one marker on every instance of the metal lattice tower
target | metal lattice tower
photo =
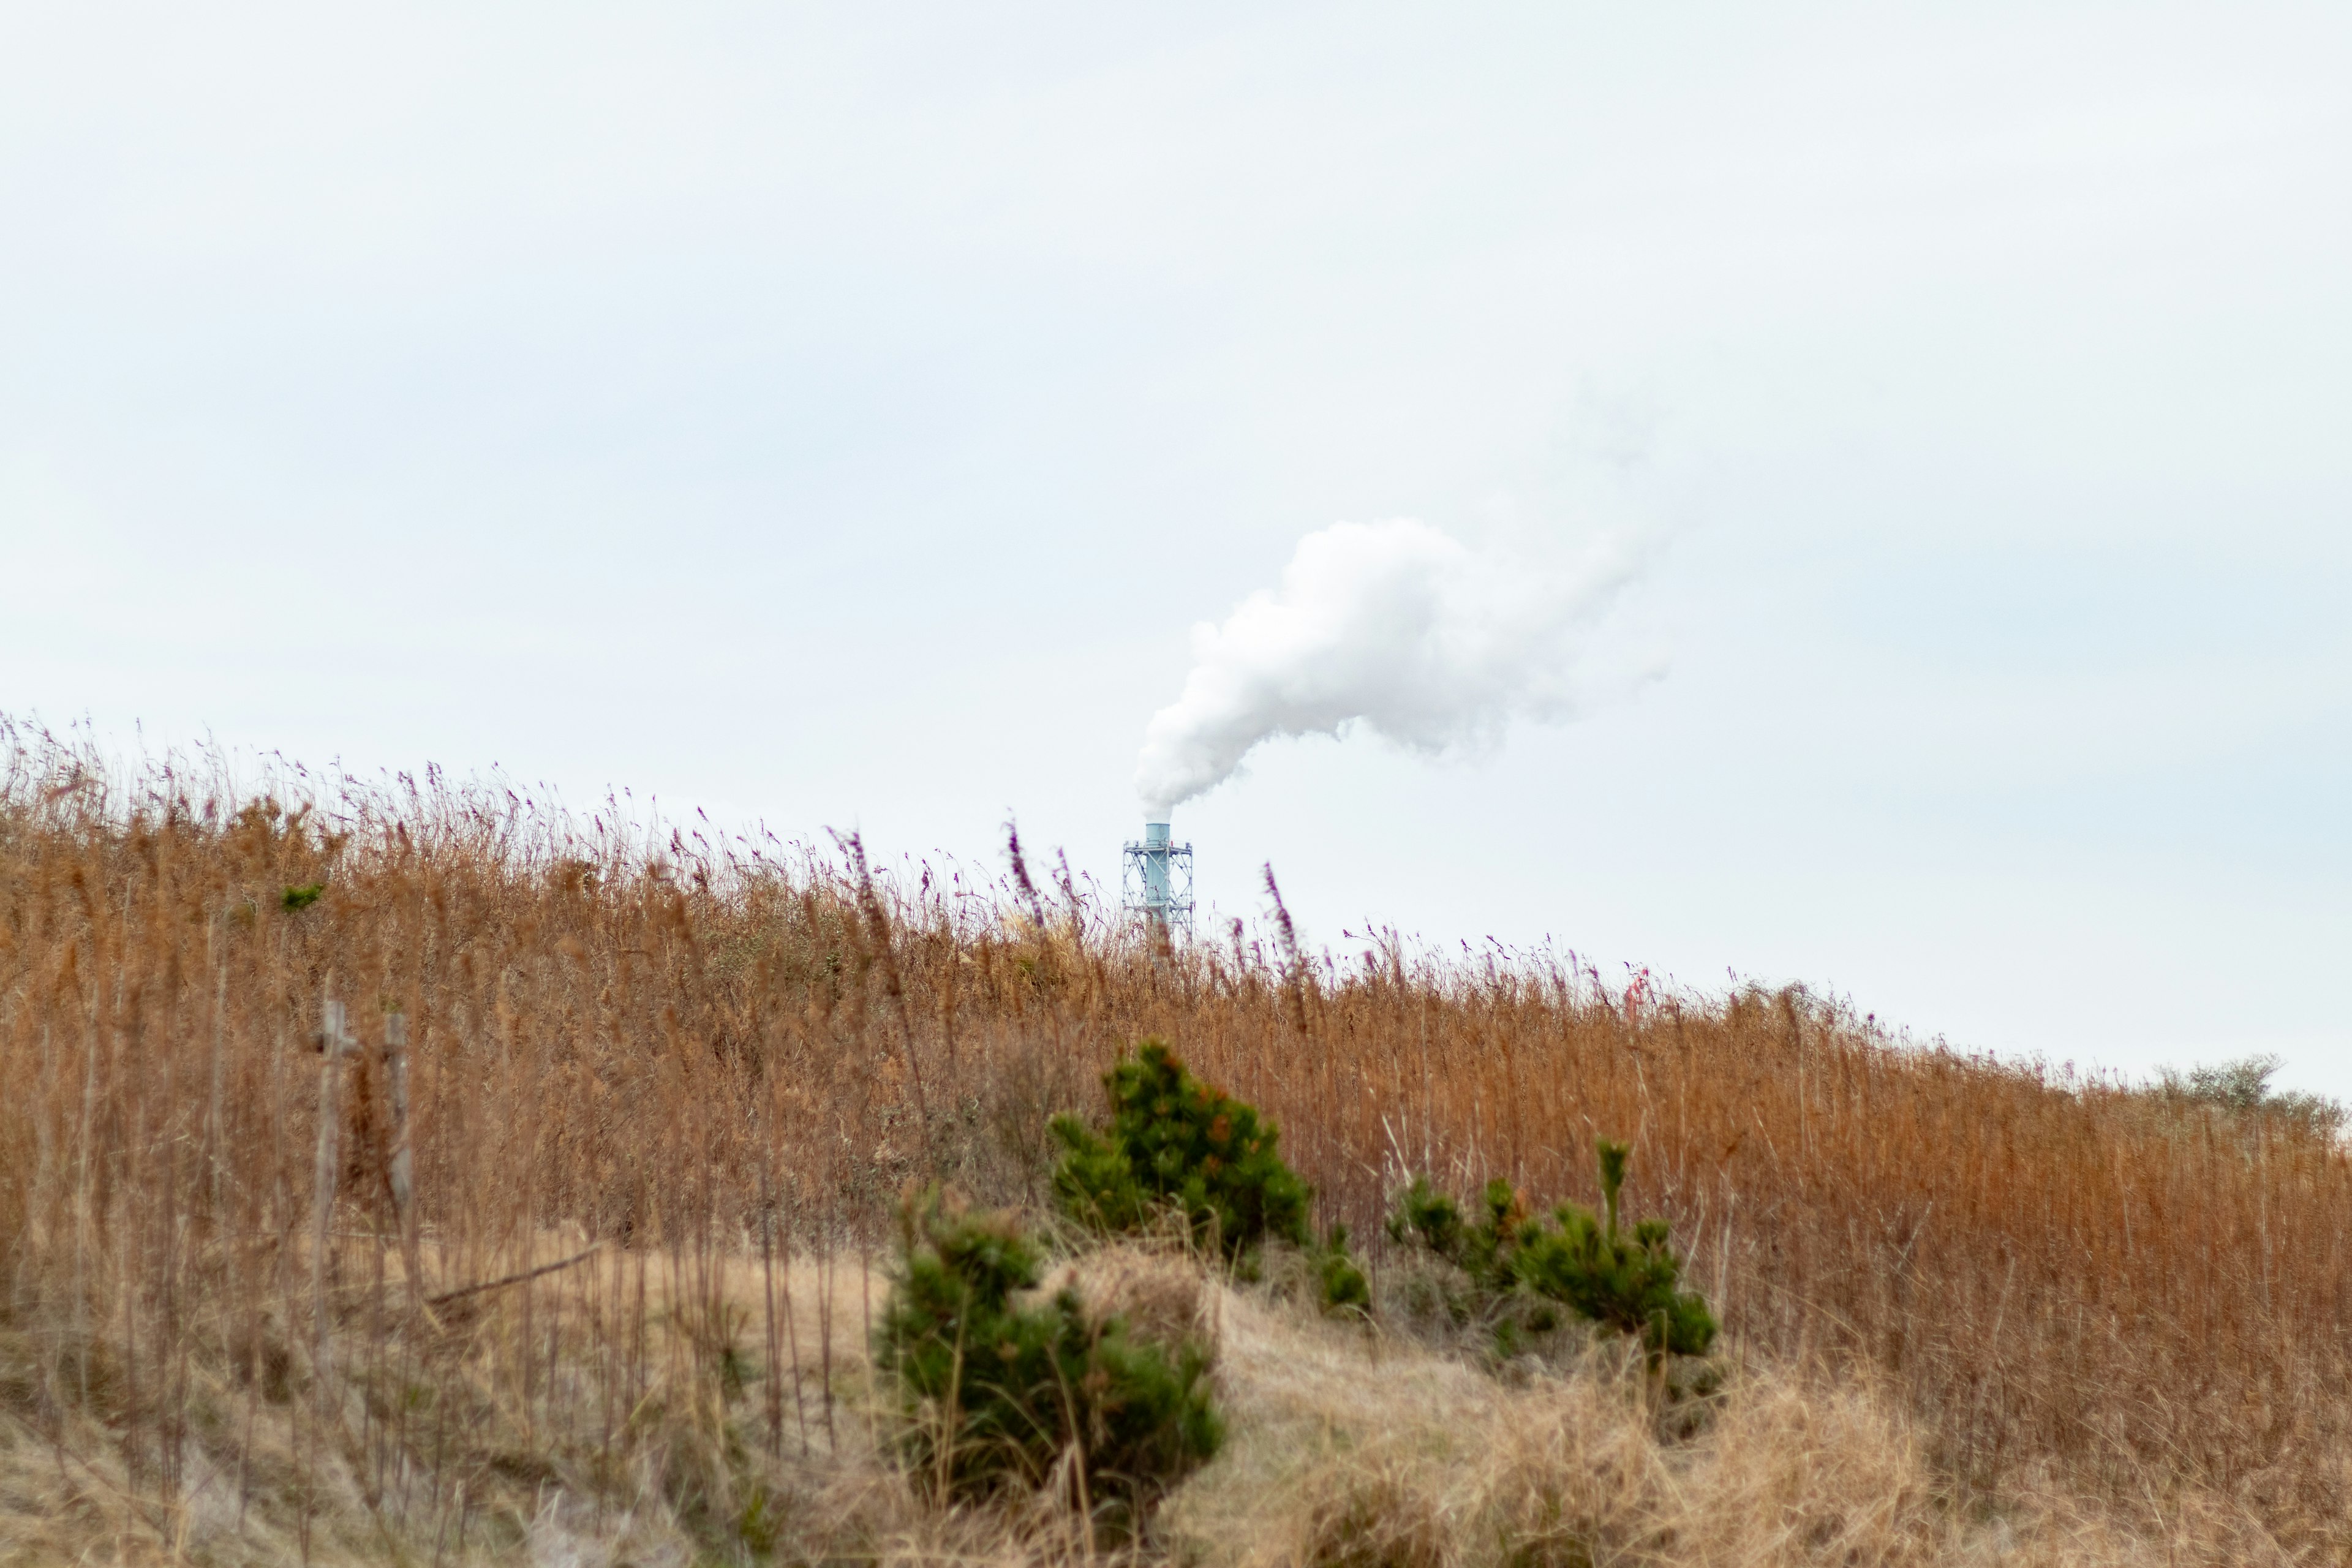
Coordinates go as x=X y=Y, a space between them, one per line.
x=1155 y=881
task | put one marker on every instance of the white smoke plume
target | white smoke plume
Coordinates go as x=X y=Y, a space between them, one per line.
x=1396 y=628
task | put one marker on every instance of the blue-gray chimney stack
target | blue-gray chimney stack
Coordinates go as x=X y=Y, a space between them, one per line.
x=1156 y=881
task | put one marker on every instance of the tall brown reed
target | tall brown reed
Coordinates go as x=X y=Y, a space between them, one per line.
x=684 y=1054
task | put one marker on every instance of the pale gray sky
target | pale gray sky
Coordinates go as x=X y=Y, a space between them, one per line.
x=842 y=417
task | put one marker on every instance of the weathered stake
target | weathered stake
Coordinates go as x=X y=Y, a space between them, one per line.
x=401 y=1164
x=333 y=1040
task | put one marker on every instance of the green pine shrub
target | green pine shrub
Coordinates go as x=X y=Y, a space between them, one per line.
x=1631 y=1285
x=1344 y=1286
x=1429 y=1217
x=1176 y=1142
x=996 y=1391
x=1480 y=1249
x=1521 y=1269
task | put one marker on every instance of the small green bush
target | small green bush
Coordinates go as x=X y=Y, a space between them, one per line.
x=1176 y=1141
x=996 y=1392
x=1627 y=1284
x=1633 y=1285
x=1480 y=1249
x=1344 y=1286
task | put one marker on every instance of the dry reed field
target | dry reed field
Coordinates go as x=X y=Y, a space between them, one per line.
x=585 y=1269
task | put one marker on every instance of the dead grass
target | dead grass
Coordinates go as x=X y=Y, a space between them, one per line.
x=2083 y=1307
x=1349 y=1449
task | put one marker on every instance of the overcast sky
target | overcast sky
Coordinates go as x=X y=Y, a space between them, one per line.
x=842 y=417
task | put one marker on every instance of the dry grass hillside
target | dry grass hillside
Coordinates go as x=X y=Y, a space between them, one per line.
x=1971 y=1310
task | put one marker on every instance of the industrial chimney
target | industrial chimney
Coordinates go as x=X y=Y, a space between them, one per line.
x=1155 y=881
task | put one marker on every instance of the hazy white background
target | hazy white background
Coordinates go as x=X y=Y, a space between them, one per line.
x=842 y=415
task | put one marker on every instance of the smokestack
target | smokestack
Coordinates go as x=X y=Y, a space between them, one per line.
x=1156 y=881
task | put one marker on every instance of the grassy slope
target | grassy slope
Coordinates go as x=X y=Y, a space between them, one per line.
x=691 y=1052
x=1347 y=1446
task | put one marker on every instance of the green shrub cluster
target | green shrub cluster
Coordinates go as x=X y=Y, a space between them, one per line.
x=1178 y=1144
x=1175 y=1141
x=997 y=1392
x=1629 y=1284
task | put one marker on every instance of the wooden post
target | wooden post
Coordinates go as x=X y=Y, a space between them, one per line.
x=333 y=1040
x=402 y=1165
